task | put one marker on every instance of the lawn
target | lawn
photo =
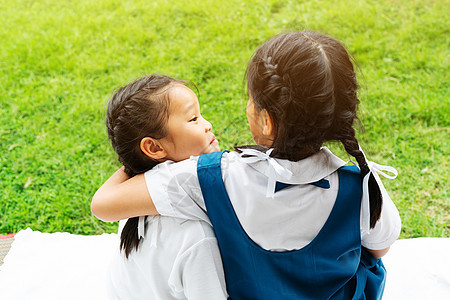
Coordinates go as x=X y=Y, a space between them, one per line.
x=61 y=60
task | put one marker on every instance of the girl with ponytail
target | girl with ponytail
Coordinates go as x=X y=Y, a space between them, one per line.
x=293 y=221
x=151 y=120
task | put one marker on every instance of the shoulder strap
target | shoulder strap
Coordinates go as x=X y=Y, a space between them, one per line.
x=216 y=198
x=210 y=160
x=346 y=207
x=350 y=169
x=213 y=189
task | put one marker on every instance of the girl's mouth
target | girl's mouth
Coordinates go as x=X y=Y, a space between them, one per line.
x=214 y=141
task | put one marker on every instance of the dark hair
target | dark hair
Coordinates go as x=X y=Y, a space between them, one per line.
x=307 y=84
x=137 y=110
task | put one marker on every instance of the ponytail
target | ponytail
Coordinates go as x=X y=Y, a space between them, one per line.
x=375 y=197
x=129 y=239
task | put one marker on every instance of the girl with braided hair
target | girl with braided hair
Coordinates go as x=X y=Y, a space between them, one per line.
x=293 y=221
x=154 y=119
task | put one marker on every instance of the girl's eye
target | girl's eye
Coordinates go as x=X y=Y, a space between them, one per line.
x=194 y=118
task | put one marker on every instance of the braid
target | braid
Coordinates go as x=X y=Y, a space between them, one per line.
x=117 y=115
x=279 y=81
x=352 y=147
x=375 y=197
x=269 y=66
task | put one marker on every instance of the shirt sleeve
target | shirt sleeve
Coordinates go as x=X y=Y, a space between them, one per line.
x=198 y=273
x=387 y=229
x=175 y=190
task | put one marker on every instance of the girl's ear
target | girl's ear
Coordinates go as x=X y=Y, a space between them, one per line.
x=153 y=148
x=267 y=124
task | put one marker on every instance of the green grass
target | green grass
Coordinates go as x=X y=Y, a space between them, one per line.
x=61 y=60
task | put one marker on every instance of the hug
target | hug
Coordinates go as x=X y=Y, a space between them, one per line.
x=281 y=219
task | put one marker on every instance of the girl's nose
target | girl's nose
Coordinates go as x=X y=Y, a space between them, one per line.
x=208 y=126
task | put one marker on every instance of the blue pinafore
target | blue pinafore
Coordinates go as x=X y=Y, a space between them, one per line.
x=332 y=266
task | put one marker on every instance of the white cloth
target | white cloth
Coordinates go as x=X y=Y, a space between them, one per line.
x=176 y=260
x=290 y=220
x=418 y=269
x=54 y=266
x=51 y=266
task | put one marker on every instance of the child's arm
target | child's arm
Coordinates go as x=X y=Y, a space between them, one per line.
x=122 y=197
x=378 y=253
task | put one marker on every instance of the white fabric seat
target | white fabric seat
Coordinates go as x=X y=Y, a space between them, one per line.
x=66 y=266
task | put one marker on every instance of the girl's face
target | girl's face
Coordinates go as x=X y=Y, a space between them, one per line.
x=188 y=132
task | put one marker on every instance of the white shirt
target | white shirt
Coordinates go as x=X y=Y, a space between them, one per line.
x=290 y=220
x=177 y=259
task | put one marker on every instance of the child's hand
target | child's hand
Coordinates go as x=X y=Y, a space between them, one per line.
x=122 y=197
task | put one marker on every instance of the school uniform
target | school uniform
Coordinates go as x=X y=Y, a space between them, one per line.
x=275 y=219
x=177 y=259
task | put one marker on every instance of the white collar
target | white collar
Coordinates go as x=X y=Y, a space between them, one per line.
x=307 y=170
x=313 y=169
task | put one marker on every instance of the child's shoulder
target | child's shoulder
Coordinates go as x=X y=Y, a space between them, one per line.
x=225 y=155
x=185 y=166
x=350 y=169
